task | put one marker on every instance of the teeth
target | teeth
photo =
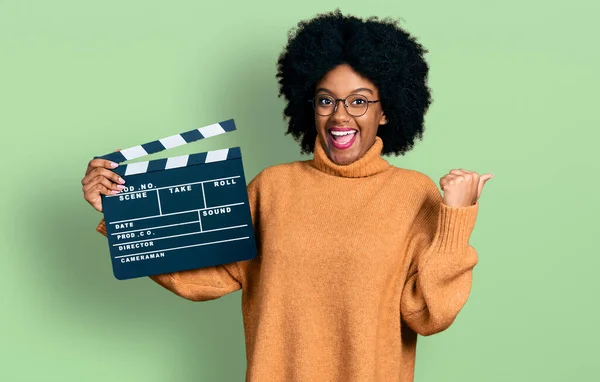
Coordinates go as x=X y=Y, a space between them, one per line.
x=341 y=133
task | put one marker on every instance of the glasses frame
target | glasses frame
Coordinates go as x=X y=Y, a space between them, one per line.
x=337 y=100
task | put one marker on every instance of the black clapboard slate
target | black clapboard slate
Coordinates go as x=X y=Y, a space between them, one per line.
x=179 y=213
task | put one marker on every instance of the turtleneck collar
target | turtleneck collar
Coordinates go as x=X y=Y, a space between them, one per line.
x=371 y=163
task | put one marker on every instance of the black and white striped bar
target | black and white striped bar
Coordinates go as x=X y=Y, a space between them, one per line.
x=178 y=161
x=171 y=142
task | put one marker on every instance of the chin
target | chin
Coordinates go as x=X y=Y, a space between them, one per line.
x=342 y=159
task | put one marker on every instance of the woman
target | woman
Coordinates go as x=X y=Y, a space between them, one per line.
x=356 y=257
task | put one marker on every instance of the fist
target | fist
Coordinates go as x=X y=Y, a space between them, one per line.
x=462 y=188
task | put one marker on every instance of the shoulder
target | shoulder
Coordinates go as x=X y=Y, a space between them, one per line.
x=414 y=177
x=277 y=174
x=418 y=182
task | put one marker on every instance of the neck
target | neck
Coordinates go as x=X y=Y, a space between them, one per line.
x=369 y=164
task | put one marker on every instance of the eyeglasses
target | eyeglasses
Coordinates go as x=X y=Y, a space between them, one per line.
x=355 y=104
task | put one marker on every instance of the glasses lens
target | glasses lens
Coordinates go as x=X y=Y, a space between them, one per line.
x=357 y=105
x=324 y=105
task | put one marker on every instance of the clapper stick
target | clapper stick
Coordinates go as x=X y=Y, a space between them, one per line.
x=179 y=213
x=169 y=143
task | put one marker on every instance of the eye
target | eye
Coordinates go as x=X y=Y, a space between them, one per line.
x=358 y=101
x=324 y=101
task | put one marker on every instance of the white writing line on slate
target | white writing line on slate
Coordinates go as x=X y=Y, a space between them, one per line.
x=173 y=186
x=177 y=213
x=187 y=246
x=183 y=234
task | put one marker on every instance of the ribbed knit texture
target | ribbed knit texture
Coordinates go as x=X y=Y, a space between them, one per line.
x=353 y=262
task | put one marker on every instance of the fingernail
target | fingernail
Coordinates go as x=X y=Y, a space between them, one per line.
x=114 y=192
x=121 y=180
x=120 y=187
x=113 y=164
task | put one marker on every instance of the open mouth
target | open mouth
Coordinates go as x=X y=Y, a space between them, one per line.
x=342 y=138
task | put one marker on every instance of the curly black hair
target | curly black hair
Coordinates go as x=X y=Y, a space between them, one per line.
x=376 y=49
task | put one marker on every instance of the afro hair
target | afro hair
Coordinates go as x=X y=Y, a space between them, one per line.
x=378 y=50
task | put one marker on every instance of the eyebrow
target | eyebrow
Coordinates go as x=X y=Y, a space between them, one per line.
x=353 y=91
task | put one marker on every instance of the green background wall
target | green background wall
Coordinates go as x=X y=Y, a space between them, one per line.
x=515 y=89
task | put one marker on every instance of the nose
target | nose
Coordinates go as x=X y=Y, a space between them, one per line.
x=340 y=111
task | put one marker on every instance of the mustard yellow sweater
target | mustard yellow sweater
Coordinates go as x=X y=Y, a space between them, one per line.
x=354 y=261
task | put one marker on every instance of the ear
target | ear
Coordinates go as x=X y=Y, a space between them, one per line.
x=383 y=120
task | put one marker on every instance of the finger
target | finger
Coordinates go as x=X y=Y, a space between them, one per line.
x=110 y=164
x=469 y=176
x=446 y=180
x=465 y=173
x=105 y=182
x=482 y=180
x=99 y=171
x=100 y=163
x=448 y=177
x=99 y=189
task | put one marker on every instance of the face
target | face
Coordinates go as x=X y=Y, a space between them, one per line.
x=344 y=137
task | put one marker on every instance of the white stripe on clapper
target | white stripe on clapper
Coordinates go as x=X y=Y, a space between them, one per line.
x=211 y=130
x=216 y=155
x=174 y=162
x=136 y=168
x=173 y=141
x=134 y=152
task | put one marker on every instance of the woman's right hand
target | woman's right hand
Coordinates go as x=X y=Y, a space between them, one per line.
x=100 y=180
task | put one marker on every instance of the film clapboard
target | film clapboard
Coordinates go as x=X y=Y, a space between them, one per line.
x=179 y=213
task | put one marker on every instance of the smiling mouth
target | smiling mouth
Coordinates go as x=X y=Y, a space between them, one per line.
x=342 y=138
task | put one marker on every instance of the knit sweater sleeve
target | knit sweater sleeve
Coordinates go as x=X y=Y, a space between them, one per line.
x=209 y=283
x=442 y=262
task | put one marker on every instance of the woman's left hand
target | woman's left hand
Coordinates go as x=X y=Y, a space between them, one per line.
x=462 y=188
